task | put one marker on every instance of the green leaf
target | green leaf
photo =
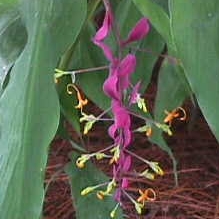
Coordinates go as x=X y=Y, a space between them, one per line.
x=195 y=28
x=157 y=17
x=13 y=38
x=171 y=92
x=6 y=5
x=158 y=139
x=89 y=206
x=29 y=105
x=163 y=4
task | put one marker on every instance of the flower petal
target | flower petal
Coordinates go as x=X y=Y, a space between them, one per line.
x=127 y=65
x=118 y=195
x=126 y=68
x=103 y=32
x=122 y=117
x=127 y=163
x=106 y=50
x=135 y=94
x=110 y=87
x=127 y=137
x=112 y=131
x=125 y=183
x=140 y=30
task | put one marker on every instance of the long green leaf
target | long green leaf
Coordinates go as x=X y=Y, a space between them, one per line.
x=29 y=106
x=195 y=28
x=6 y=5
x=12 y=41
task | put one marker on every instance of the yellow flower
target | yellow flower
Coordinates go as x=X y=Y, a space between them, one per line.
x=81 y=102
x=116 y=154
x=138 y=208
x=100 y=195
x=113 y=212
x=80 y=162
x=146 y=128
x=88 y=190
x=147 y=174
x=156 y=168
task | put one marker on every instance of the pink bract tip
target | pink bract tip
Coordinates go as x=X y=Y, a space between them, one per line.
x=140 y=31
x=103 y=32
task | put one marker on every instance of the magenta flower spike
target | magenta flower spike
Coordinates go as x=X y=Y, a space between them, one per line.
x=140 y=30
x=116 y=87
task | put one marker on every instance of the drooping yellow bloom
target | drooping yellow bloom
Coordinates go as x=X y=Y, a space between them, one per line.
x=149 y=132
x=147 y=174
x=176 y=113
x=110 y=187
x=113 y=212
x=116 y=155
x=146 y=195
x=147 y=129
x=81 y=102
x=156 y=168
x=100 y=195
x=80 y=162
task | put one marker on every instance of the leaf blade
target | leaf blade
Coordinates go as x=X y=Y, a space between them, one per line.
x=195 y=32
x=31 y=109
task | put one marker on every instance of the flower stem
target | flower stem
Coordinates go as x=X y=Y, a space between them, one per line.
x=136 y=156
x=90 y=69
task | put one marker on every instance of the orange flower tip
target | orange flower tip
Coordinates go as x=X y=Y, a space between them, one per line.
x=149 y=132
x=146 y=195
x=81 y=103
x=151 y=194
x=175 y=114
x=161 y=173
x=100 y=195
x=56 y=80
x=113 y=160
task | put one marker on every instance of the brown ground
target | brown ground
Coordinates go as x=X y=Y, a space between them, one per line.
x=197 y=196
